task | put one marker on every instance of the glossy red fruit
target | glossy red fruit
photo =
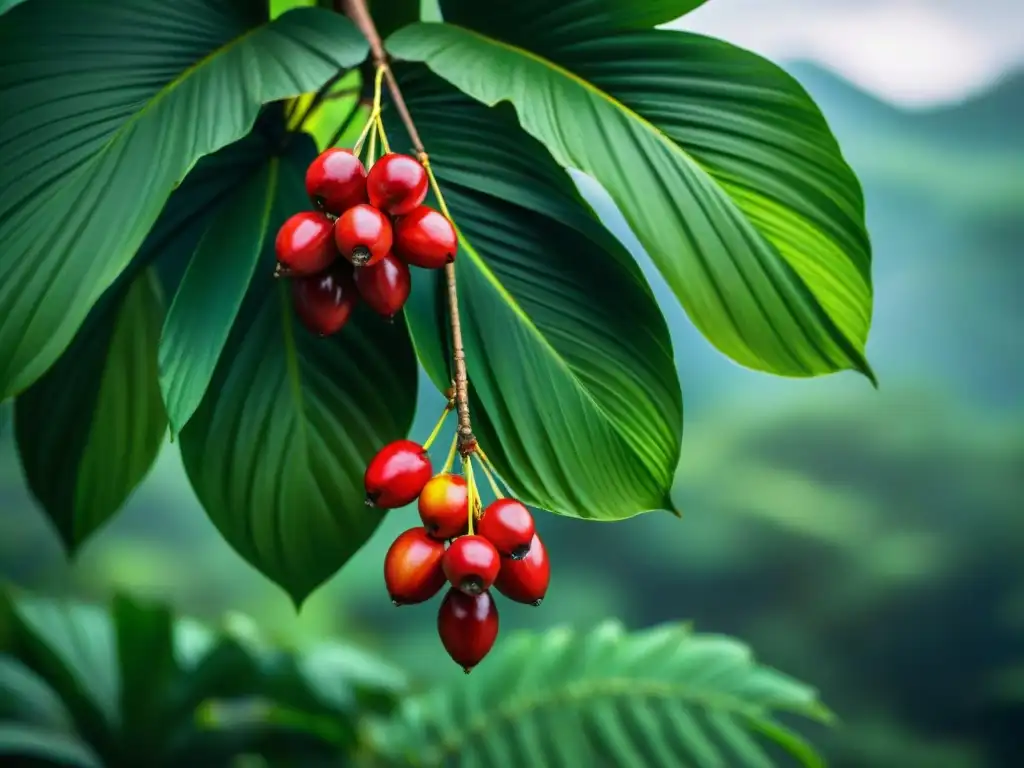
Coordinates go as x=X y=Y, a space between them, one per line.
x=468 y=626
x=396 y=184
x=425 y=238
x=324 y=302
x=304 y=244
x=471 y=564
x=385 y=285
x=412 y=567
x=508 y=525
x=444 y=506
x=336 y=181
x=397 y=474
x=363 y=235
x=526 y=580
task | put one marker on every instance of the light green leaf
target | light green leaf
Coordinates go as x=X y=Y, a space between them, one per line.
x=277 y=449
x=89 y=430
x=661 y=697
x=211 y=293
x=574 y=389
x=22 y=742
x=722 y=165
x=102 y=127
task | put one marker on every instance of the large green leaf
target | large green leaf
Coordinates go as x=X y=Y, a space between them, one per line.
x=89 y=430
x=662 y=697
x=720 y=162
x=277 y=449
x=211 y=292
x=100 y=127
x=574 y=388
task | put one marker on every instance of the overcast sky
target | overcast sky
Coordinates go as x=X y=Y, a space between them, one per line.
x=914 y=52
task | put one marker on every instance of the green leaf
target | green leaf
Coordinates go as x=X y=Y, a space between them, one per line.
x=105 y=124
x=720 y=162
x=277 y=449
x=31 y=743
x=661 y=697
x=89 y=430
x=6 y=415
x=389 y=15
x=211 y=293
x=574 y=388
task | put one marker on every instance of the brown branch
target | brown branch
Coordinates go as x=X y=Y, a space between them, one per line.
x=360 y=15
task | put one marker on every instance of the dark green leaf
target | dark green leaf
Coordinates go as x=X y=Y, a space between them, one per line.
x=211 y=292
x=6 y=415
x=25 y=697
x=389 y=15
x=277 y=449
x=24 y=743
x=720 y=162
x=103 y=125
x=574 y=387
x=662 y=697
x=90 y=429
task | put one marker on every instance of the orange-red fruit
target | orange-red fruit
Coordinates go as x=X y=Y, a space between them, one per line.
x=526 y=580
x=336 y=181
x=412 y=567
x=363 y=235
x=468 y=626
x=324 y=302
x=444 y=506
x=425 y=238
x=385 y=285
x=396 y=184
x=471 y=564
x=397 y=474
x=304 y=244
x=508 y=525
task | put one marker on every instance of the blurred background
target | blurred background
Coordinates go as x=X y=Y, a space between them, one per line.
x=870 y=543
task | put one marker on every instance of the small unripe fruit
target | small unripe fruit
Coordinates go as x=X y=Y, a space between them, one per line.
x=324 y=302
x=468 y=627
x=385 y=285
x=304 y=244
x=397 y=474
x=471 y=564
x=412 y=567
x=508 y=525
x=526 y=580
x=425 y=238
x=444 y=506
x=336 y=181
x=396 y=184
x=363 y=235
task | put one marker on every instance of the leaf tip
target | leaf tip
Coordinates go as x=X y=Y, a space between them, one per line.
x=670 y=505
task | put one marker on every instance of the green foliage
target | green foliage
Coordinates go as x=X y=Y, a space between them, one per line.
x=172 y=137
x=774 y=268
x=106 y=123
x=132 y=687
x=550 y=364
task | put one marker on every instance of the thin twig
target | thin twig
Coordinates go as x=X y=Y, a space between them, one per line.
x=360 y=15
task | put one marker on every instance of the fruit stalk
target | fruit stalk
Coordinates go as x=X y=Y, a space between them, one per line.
x=360 y=15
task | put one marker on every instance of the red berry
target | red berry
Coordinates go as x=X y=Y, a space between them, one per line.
x=425 y=238
x=336 y=181
x=508 y=525
x=397 y=474
x=444 y=506
x=304 y=245
x=412 y=567
x=384 y=285
x=526 y=580
x=363 y=235
x=471 y=564
x=324 y=302
x=468 y=626
x=396 y=184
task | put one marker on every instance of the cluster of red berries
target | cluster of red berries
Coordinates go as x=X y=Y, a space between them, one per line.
x=368 y=229
x=504 y=551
